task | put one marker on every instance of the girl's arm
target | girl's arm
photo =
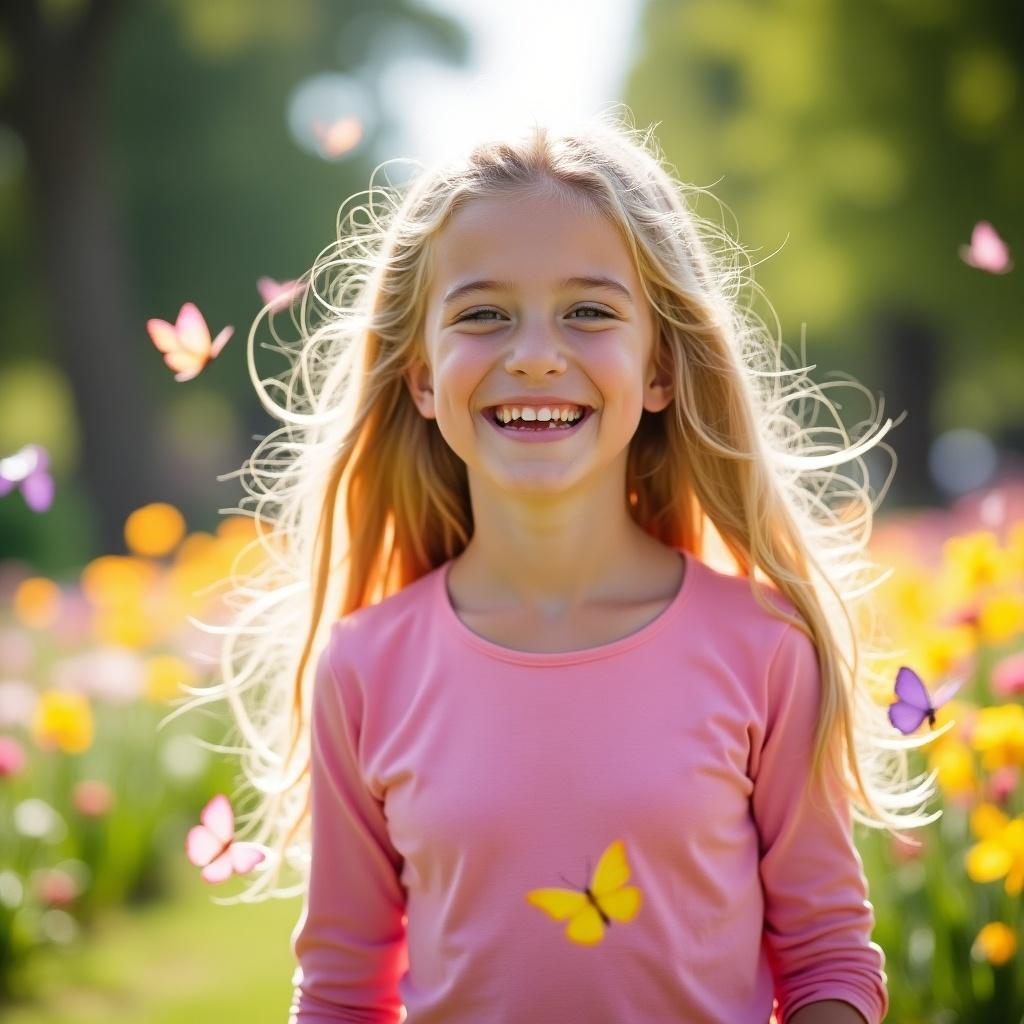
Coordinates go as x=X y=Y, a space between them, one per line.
x=350 y=939
x=831 y=1011
x=817 y=918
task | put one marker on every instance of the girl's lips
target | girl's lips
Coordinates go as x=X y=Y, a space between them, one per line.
x=537 y=435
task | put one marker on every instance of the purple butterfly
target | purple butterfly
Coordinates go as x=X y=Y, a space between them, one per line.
x=913 y=704
x=28 y=468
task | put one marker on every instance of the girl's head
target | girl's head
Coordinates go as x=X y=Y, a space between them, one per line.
x=533 y=295
x=367 y=484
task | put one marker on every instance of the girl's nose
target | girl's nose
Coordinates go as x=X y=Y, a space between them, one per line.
x=535 y=350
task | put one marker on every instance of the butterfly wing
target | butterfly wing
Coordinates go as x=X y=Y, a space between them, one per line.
x=245 y=856
x=201 y=845
x=185 y=365
x=37 y=490
x=163 y=335
x=913 y=704
x=193 y=334
x=219 y=869
x=622 y=904
x=910 y=688
x=945 y=692
x=220 y=341
x=586 y=926
x=612 y=870
x=219 y=818
x=178 y=357
x=557 y=903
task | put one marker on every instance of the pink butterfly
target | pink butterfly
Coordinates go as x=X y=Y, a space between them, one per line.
x=28 y=469
x=339 y=136
x=186 y=344
x=279 y=294
x=212 y=846
x=987 y=250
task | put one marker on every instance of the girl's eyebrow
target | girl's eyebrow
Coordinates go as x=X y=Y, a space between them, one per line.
x=608 y=283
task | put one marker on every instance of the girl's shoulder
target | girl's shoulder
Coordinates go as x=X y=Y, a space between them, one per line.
x=734 y=595
x=387 y=621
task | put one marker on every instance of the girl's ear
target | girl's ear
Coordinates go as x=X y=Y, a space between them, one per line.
x=658 y=386
x=421 y=388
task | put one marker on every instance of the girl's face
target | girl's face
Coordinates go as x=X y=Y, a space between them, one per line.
x=514 y=312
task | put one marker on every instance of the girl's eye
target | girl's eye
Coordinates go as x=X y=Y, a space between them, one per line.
x=475 y=314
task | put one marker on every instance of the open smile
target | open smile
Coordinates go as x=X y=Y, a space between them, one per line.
x=537 y=431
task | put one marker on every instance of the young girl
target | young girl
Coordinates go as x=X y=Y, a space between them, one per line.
x=553 y=689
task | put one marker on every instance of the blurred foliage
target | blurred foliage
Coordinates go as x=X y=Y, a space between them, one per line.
x=866 y=140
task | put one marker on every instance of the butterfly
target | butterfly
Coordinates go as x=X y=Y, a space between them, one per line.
x=29 y=469
x=186 y=343
x=338 y=136
x=913 y=704
x=278 y=294
x=987 y=250
x=589 y=910
x=212 y=846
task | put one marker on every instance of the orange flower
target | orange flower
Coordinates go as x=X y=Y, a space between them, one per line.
x=154 y=529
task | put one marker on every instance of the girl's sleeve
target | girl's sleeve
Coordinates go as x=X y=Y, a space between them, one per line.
x=817 y=917
x=350 y=938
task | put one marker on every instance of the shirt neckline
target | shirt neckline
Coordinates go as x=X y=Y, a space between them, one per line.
x=454 y=625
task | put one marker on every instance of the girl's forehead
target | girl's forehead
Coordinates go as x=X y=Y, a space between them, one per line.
x=527 y=239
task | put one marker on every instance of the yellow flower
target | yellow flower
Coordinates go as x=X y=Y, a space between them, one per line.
x=128 y=624
x=154 y=529
x=956 y=766
x=910 y=596
x=63 y=718
x=946 y=649
x=998 y=735
x=164 y=674
x=996 y=942
x=987 y=820
x=1001 y=617
x=973 y=566
x=1014 y=553
x=37 y=602
x=1001 y=853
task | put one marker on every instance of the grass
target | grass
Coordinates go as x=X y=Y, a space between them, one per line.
x=185 y=959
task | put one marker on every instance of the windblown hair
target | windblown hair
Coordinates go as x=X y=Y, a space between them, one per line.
x=362 y=495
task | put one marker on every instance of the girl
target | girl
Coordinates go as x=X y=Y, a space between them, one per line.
x=554 y=691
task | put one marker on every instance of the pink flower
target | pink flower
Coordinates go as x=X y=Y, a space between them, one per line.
x=901 y=851
x=12 y=757
x=92 y=798
x=56 y=888
x=1008 y=676
x=18 y=701
x=1002 y=783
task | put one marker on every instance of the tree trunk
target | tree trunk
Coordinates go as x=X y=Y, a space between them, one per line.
x=100 y=341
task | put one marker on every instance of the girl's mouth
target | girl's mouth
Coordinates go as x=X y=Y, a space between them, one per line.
x=537 y=430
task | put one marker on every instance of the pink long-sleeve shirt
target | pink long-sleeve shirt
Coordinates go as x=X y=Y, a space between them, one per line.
x=450 y=775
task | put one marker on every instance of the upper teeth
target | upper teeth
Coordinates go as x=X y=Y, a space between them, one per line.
x=568 y=413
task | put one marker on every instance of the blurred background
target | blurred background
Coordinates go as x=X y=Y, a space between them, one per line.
x=172 y=152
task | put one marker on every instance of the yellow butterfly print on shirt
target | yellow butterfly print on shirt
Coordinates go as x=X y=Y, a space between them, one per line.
x=607 y=898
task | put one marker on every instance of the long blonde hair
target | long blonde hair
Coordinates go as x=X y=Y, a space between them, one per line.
x=361 y=495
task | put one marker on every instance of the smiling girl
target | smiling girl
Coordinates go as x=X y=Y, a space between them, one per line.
x=553 y=687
